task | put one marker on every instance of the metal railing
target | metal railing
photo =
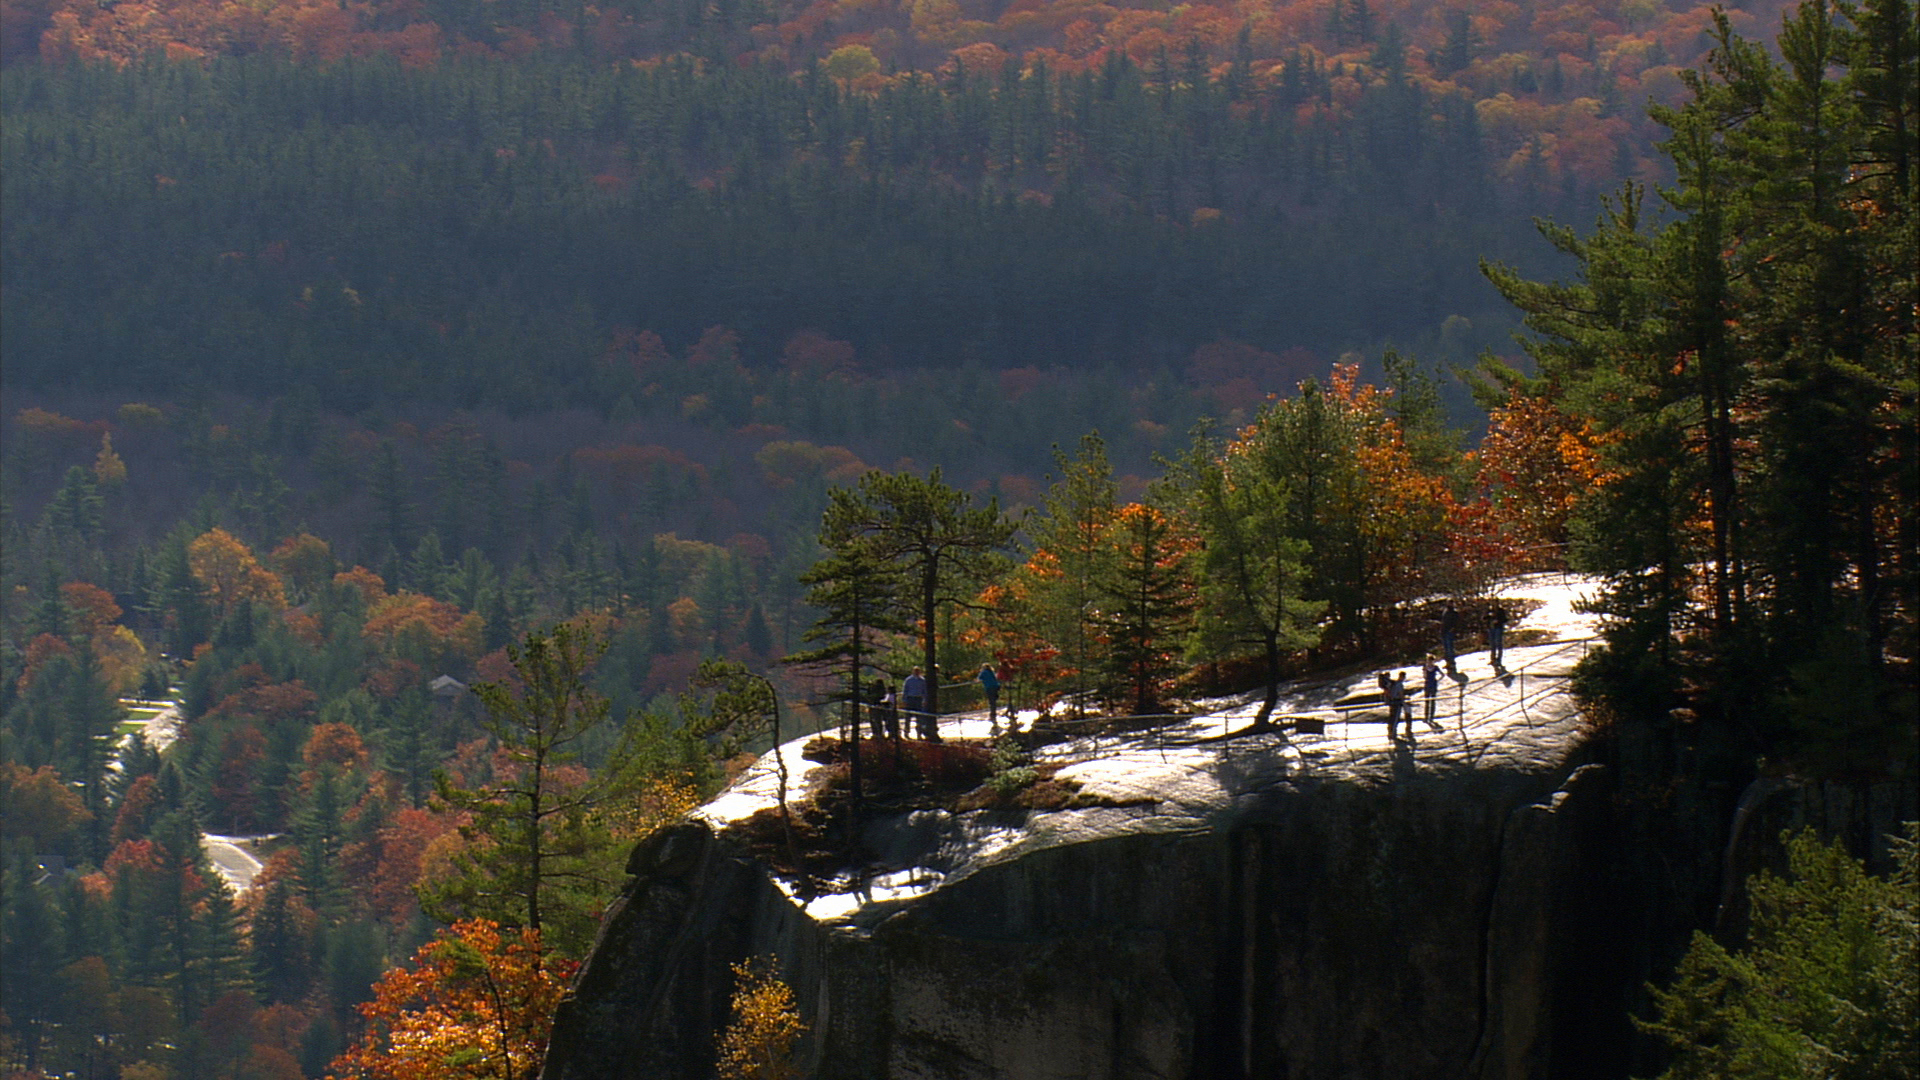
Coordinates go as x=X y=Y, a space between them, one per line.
x=1176 y=731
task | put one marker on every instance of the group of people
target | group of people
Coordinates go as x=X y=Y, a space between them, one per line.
x=1399 y=707
x=1496 y=634
x=1393 y=689
x=885 y=707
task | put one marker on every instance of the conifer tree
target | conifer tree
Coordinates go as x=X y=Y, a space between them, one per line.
x=1253 y=572
x=277 y=946
x=855 y=591
x=1148 y=592
x=932 y=534
x=393 y=520
x=1825 y=985
x=75 y=513
x=1743 y=365
x=1073 y=537
x=410 y=747
x=319 y=829
x=537 y=855
x=30 y=934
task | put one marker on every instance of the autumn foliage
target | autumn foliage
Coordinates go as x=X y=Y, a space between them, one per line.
x=758 y=1044
x=36 y=805
x=93 y=607
x=227 y=569
x=1545 y=84
x=476 y=1004
x=368 y=584
x=1533 y=467
x=423 y=629
x=304 y=561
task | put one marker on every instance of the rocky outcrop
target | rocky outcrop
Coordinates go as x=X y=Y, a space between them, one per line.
x=1481 y=906
x=1340 y=925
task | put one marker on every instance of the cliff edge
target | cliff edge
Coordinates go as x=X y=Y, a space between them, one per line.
x=1330 y=905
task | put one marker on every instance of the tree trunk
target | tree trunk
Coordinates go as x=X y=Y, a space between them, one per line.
x=853 y=741
x=534 y=852
x=1264 y=718
x=929 y=582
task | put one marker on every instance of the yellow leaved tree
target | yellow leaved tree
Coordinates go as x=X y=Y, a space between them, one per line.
x=758 y=1044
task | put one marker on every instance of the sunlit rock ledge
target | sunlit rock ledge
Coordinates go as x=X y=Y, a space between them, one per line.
x=1302 y=905
x=1185 y=778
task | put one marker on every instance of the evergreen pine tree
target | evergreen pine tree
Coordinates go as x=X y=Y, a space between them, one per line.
x=758 y=637
x=548 y=861
x=278 y=947
x=30 y=935
x=410 y=749
x=427 y=568
x=392 y=509
x=1073 y=532
x=1825 y=985
x=1253 y=570
x=853 y=588
x=932 y=533
x=1148 y=592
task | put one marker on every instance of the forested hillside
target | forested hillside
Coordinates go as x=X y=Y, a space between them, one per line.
x=432 y=202
x=481 y=233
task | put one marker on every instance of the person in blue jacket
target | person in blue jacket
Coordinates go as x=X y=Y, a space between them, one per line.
x=990 y=682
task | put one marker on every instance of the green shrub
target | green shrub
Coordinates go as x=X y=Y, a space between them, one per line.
x=1827 y=986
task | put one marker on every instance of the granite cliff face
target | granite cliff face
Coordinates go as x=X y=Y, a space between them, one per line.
x=1327 y=906
x=1337 y=929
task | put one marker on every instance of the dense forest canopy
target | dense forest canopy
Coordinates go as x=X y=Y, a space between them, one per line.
x=431 y=202
x=478 y=233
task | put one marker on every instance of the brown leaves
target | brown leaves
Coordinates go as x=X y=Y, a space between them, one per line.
x=1534 y=465
x=37 y=806
x=420 y=628
x=228 y=571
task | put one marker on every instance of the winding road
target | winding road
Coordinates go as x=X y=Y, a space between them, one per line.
x=232 y=856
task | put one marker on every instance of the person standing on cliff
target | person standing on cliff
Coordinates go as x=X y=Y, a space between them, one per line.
x=913 y=694
x=1449 y=628
x=990 y=683
x=1497 y=634
x=880 y=711
x=1390 y=694
x=1430 y=682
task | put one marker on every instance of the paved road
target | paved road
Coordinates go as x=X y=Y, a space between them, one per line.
x=230 y=856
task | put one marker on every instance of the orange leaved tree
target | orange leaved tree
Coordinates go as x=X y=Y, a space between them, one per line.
x=1535 y=465
x=475 y=1004
x=226 y=568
